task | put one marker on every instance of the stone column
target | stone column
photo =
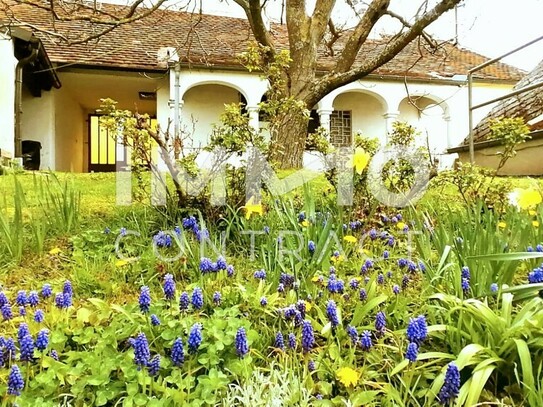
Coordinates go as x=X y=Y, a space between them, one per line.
x=447 y=120
x=253 y=117
x=390 y=118
x=324 y=118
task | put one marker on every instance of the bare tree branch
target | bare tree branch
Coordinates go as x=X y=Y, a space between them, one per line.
x=103 y=21
x=433 y=43
x=334 y=80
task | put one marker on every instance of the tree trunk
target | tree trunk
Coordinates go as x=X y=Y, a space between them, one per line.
x=288 y=140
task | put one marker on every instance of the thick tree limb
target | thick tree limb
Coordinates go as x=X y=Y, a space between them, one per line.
x=320 y=18
x=375 y=11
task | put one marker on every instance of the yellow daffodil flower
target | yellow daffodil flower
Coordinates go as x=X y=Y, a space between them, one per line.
x=532 y=212
x=347 y=376
x=528 y=198
x=54 y=251
x=252 y=207
x=535 y=223
x=120 y=263
x=525 y=198
x=350 y=239
x=502 y=224
x=359 y=160
x=305 y=223
x=400 y=225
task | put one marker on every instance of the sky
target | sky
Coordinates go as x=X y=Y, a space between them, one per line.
x=488 y=27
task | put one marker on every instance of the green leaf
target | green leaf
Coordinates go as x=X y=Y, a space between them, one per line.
x=362 y=311
x=141 y=399
x=478 y=382
x=132 y=388
x=466 y=355
x=83 y=315
x=101 y=398
x=507 y=256
x=363 y=398
x=527 y=369
x=401 y=366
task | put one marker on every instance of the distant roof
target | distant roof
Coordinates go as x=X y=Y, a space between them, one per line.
x=215 y=41
x=528 y=105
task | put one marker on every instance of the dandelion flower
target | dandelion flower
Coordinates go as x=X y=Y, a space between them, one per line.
x=347 y=376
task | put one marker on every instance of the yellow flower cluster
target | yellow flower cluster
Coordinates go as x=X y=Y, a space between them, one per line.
x=252 y=207
x=347 y=376
x=525 y=198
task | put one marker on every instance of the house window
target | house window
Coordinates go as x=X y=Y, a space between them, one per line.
x=340 y=128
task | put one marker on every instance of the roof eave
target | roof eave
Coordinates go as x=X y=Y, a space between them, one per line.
x=534 y=135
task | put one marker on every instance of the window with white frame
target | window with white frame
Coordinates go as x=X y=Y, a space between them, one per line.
x=341 y=128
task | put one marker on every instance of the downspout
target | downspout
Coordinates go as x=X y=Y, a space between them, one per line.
x=19 y=94
x=176 y=97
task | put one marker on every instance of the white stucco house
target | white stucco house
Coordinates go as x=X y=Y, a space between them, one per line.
x=135 y=65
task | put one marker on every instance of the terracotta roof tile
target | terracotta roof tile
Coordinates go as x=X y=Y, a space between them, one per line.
x=528 y=105
x=216 y=41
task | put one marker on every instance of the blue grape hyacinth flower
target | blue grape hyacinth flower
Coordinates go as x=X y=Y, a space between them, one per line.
x=206 y=265
x=21 y=299
x=195 y=338
x=184 y=301
x=331 y=313
x=279 y=341
x=39 y=316
x=412 y=352
x=417 y=329
x=291 y=342
x=217 y=298
x=242 y=346
x=169 y=287
x=26 y=347
x=308 y=336
x=154 y=320
x=42 y=340
x=197 y=298
x=67 y=288
x=154 y=366
x=260 y=274
x=15 y=381
x=22 y=331
x=178 y=352
x=141 y=351
x=3 y=299
x=33 y=298
x=46 y=291
x=365 y=340
x=145 y=299
x=353 y=334
x=451 y=386
x=380 y=322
